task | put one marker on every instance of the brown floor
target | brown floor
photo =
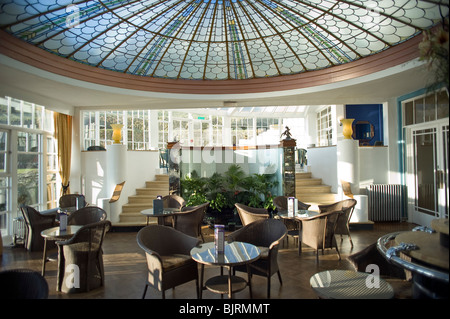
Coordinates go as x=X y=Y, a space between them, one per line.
x=125 y=268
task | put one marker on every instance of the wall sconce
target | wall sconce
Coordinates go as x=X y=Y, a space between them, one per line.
x=117 y=133
x=348 y=130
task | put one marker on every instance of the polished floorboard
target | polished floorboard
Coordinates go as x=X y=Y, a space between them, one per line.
x=125 y=267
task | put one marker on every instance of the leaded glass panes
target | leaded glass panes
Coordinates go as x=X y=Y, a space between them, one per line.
x=216 y=39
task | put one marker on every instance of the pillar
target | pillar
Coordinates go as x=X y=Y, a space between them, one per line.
x=288 y=167
x=116 y=172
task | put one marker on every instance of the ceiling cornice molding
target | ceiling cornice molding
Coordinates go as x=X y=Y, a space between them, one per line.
x=26 y=53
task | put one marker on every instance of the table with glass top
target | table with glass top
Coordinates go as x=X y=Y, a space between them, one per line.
x=298 y=215
x=161 y=214
x=235 y=254
x=55 y=233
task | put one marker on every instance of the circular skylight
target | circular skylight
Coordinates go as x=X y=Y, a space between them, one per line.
x=215 y=39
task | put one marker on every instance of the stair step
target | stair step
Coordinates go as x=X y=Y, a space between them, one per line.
x=141 y=199
x=152 y=192
x=161 y=177
x=153 y=184
x=308 y=181
x=303 y=175
x=325 y=198
x=315 y=189
x=135 y=208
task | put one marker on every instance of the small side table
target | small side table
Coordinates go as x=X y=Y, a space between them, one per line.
x=348 y=284
x=55 y=233
x=236 y=253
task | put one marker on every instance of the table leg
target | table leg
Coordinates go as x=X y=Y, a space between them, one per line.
x=230 y=289
x=44 y=257
x=249 y=281
x=201 y=279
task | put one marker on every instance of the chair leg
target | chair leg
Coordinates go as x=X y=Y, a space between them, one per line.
x=279 y=277
x=268 y=287
x=337 y=250
x=145 y=291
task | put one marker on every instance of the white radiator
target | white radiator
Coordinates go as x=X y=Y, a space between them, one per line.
x=386 y=202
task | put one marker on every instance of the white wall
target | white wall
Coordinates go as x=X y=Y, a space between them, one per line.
x=323 y=164
x=141 y=166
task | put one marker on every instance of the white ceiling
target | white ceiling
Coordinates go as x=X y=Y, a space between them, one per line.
x=63 y=94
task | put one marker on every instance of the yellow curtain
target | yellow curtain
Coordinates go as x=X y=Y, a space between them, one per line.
x=63 y=135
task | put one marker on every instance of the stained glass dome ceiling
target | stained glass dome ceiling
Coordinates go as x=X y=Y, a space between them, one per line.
x=216 y=39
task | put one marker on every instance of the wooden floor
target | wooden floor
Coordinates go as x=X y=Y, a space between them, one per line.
x=125 y=268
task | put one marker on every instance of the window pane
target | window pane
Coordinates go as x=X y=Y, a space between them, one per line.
x=442 y=104
x=3 y=111
x=430 y=108
x=419 y=111
x=409 y=113
x=28 y=179
x=15 y=112
x=27 y=115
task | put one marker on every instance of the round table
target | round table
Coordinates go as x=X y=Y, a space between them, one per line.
x=160 y=215
x=347 y=284
x=55 y=233
x=235 y=254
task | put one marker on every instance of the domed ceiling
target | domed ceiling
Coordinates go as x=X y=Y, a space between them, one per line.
x=216 y=39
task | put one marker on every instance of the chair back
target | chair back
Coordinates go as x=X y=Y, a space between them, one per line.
x=86 y=215
x=164 y=240
x=281 y=204
x=36 y=223
x=345 y=206
x=22 y=284
x=318 y=231
x=264 y=232
x=173 y=201
x=189 y=221
x=90 y=236
x=249 y=214
x=70 y=200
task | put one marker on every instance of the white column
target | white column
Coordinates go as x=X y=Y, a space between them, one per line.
x=348 y=164
x=116 y=172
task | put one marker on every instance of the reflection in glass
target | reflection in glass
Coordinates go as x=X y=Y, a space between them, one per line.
x=425 y=157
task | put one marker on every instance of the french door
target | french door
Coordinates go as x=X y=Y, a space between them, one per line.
x=428 y=170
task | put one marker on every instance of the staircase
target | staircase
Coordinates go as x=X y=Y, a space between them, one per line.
x=131 y=212
x=311 y=190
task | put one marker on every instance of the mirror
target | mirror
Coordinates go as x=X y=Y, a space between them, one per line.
x=363 y=131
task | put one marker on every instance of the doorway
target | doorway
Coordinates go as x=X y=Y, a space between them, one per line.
x=428 y=170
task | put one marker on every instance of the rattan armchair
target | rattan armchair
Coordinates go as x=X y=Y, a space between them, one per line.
x=293 y=226
x=83 y=254
x=346 y=206
x=172 y=201
x=169 y=262
x=318 y=232
x=22 y=284
x=266 y=234
x=249 y=214
x=86 y=215
x=36 y=223
x=70 y=200
x=190 y=220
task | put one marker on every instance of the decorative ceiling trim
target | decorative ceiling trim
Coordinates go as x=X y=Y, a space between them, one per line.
x=36 y=57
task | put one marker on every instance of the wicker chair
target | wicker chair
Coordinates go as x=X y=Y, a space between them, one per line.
x=266 y=234
x=346 y=206
x=70 y=200
x=22 y=284
x=249 y=214
x=318 y=232
x=398 y=278
x=84 y=249
x=36 y=223
x=168 y=257
x=172 y=201
x=293 y=226
x=86 y=215
x=190 y=220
